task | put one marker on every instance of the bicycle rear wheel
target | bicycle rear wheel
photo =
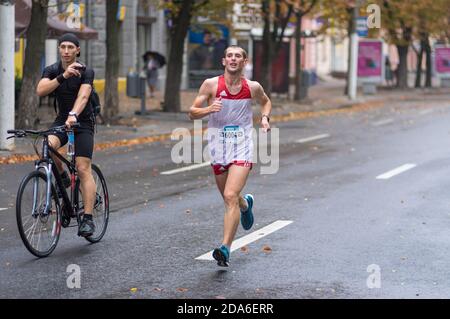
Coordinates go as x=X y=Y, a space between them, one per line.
x=100 y=215
x=38 y=229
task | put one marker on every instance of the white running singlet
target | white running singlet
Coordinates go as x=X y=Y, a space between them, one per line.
x=230 y=130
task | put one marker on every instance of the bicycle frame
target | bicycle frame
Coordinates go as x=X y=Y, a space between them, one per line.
x=50 y=168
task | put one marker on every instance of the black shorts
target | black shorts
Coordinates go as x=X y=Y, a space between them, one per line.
x=84 y=138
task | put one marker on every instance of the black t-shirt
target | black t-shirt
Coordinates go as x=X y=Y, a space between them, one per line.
x=67 y=92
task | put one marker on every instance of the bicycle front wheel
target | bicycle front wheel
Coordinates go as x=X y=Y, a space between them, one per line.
x=39 y=229
x=100 y=214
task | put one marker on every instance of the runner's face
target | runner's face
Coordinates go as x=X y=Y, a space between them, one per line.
x=68 y=51
x=234 y=60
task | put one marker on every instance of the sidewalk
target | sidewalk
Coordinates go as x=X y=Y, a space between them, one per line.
x=323 y=98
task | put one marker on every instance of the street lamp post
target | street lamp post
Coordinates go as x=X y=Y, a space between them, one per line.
x=7 y=100
x=352 y=68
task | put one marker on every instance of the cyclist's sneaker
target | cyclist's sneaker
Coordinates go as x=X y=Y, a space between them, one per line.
x=87 y=227
x=222 y=255
x=65 y=179
x=247 y=216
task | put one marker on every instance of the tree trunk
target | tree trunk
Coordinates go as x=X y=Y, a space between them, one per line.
x=35 y=50
x=427 y=49
x=267 y=49
x=111 y=108
x=298 y=57
x=418 y=83
x=175 y=61
x=402 y=68
x=350 y=29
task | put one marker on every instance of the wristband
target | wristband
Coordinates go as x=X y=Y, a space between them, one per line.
x=60 y=78
x=74 y=114
x=266 y=116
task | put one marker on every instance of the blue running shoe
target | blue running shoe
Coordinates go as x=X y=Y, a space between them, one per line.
x=247 y=216
x=222 y=255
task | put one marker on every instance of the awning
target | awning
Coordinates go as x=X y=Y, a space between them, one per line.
x=56 y=26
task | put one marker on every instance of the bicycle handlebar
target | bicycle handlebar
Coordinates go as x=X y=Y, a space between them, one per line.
x=56 y=129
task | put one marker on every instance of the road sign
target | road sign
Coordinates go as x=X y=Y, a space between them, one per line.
x=361 y=26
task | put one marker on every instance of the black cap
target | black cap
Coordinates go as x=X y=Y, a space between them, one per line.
x=69 y=37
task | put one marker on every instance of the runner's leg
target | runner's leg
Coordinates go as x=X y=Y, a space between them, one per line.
x=237 y=177
x=221 y=181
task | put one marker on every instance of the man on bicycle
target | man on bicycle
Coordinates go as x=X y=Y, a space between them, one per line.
x=72 y=83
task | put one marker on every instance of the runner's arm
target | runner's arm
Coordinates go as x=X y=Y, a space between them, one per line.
x=266 y=105
x=197 y=111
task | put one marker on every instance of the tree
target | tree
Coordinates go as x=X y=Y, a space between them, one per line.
x=301 y=8
x=35 y=49
x=399 y=26
x=113 y=26
x=432 y=19
x=276 y=15
x=179 y=18
x=337 y=19
x=415 y=20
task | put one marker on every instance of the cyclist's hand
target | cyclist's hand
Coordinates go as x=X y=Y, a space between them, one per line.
x=216 y=106
x=265 y=124
x=70 y=121
x=72 y=71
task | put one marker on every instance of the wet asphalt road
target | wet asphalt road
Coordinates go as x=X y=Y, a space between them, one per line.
x=344 y=219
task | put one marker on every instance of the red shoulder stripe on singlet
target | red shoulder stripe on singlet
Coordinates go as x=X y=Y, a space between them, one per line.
x=222 y=90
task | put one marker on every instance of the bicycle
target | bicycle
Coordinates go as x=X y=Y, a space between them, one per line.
x=39 y=211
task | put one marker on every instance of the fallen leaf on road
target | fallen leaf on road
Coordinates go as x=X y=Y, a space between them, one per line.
x=182 y=289
x=244 y=249
x=158 y=289
x=133 y=290
x=267 y=249
x=161 y=206
x=188 y=211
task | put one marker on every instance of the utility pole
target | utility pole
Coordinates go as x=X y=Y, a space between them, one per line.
x=352 y=68
x=7 y=83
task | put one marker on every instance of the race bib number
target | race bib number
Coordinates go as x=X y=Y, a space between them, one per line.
x=231 y=134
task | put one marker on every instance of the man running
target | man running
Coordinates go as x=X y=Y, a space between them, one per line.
x=229 y=99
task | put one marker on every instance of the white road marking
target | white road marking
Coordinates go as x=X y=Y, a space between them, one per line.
x=257 y=234
x=425 y=112
x=396 y=171
x=382 y=122
x=312 y=138
x=187 y=168
x=1 y=209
